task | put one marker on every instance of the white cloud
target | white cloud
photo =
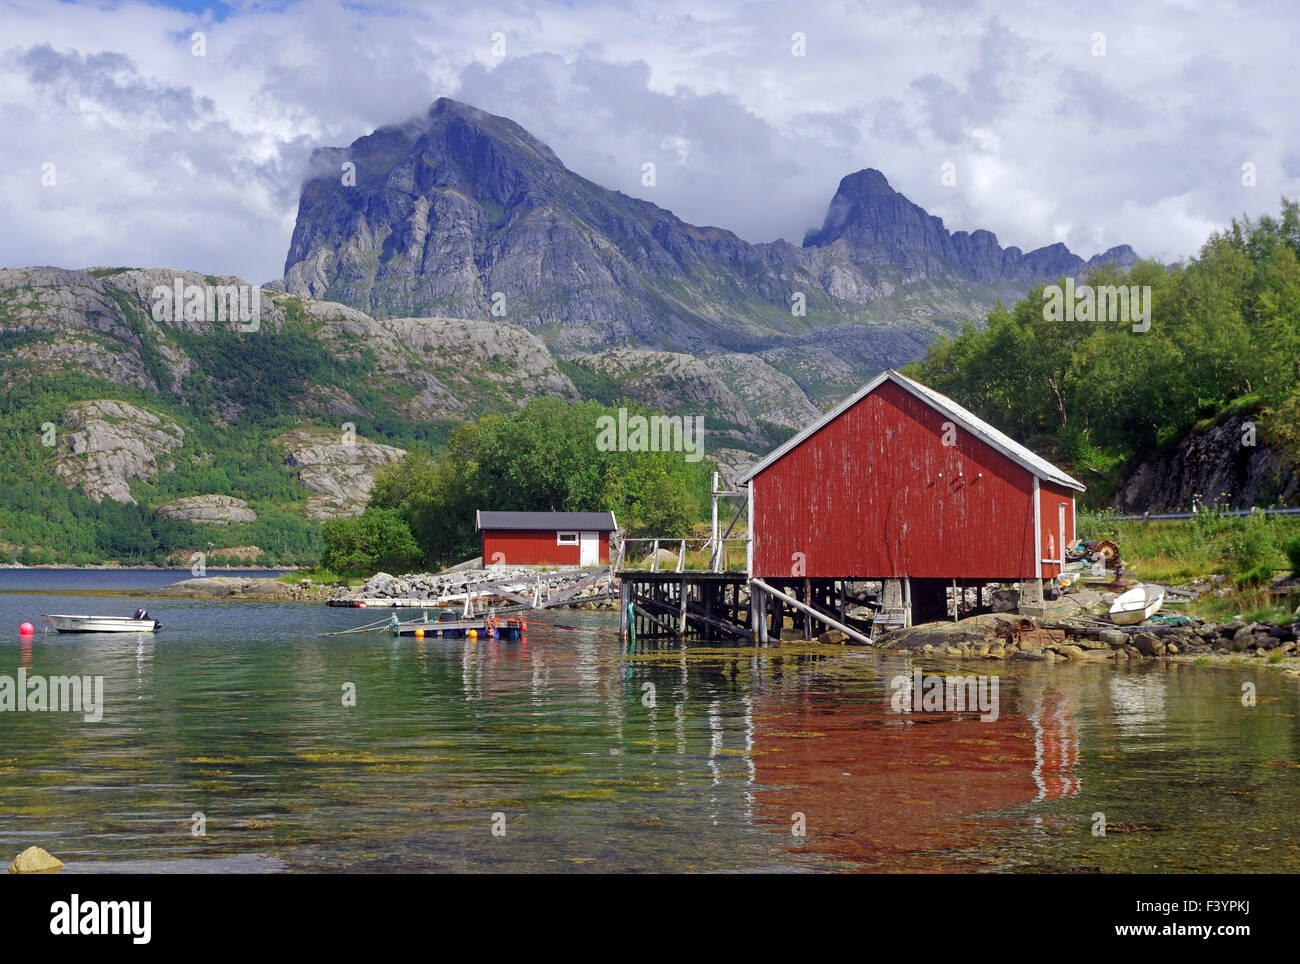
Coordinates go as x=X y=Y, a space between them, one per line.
x=164 y=158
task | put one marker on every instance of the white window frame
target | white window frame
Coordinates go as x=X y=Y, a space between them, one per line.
x=561 y=541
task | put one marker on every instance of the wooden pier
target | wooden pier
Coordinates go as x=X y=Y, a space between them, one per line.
x=710 y=606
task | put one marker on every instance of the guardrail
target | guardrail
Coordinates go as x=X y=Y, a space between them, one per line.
x=721 y=553
x=1168 y=516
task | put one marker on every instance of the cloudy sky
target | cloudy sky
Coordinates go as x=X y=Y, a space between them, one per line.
x=1093 y=124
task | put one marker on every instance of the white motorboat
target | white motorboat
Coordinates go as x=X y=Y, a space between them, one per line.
x=139 y=623
x=1138 y=604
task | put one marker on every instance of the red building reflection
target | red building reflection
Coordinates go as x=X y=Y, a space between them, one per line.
x=907 y=792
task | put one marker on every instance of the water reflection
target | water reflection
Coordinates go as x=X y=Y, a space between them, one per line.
x=236 y=712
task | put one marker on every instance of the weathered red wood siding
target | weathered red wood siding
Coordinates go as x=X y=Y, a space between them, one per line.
x=876 y=494
x=534 y=547
x=1050 y=497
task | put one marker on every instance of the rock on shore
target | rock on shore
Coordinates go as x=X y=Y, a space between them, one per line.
x=34 y=860
x=242 y=587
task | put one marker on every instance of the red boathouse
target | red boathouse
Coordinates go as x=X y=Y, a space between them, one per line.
x=903 y=485
x=545 y=538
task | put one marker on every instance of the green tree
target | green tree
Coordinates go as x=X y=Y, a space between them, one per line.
x=377 y=539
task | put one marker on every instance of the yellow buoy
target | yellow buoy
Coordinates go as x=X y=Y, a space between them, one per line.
x=419 y=634
x=473 y=634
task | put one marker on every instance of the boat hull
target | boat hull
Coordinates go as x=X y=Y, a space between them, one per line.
x=101 y=624
x=1137 y=605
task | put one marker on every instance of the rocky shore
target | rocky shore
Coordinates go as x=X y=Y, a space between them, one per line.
x=455 y=583
x=244 y=587
x=1003 y=637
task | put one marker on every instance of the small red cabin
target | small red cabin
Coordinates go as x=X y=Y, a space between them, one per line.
x=545 y=538
x=902 y=483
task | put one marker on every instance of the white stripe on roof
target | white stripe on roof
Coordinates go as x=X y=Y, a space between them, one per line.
x=981 y=429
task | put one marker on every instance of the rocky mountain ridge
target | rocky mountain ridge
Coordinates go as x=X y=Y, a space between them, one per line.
x=460 y=212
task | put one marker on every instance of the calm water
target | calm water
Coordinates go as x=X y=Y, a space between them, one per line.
x=235 y=711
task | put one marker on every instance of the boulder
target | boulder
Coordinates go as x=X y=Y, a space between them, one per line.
x=1148 y=645
x=377 y=584
x=34 y=860
x=1113 y=637
x=833 y=636
x=667 y=560
x=1005 y=600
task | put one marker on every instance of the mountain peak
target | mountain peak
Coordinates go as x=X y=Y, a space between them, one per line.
x=458 y=212
x=864 y=183
x=868 y=213
x=883 y=227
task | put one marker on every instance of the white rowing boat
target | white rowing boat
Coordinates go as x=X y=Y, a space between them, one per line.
x=139 y=623
x=1138 y=604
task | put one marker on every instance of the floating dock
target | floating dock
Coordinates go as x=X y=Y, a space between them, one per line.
x=487 y=628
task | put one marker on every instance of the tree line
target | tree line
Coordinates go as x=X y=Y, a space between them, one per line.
x=1224 y=333
x=542 y=458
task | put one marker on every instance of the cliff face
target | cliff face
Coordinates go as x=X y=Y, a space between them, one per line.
x=103 y=444
x=339 y=471
x=1214 y=466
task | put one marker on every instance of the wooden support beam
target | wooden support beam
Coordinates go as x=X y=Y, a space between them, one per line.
x=654 y=619
x=646 y=603
x=809 y=611
x=681 y=592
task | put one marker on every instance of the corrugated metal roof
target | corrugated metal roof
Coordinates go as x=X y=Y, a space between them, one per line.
x=943 y=404
x=590 y=521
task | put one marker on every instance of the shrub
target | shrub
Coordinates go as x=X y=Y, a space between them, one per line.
x=1247 y=549
x=1257 y=576
x=1293 y=555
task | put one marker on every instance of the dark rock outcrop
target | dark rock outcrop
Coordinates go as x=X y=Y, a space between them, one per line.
x=1214 y=467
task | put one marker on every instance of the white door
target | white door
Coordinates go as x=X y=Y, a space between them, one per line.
x=1060 y=511
x=589 y=549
